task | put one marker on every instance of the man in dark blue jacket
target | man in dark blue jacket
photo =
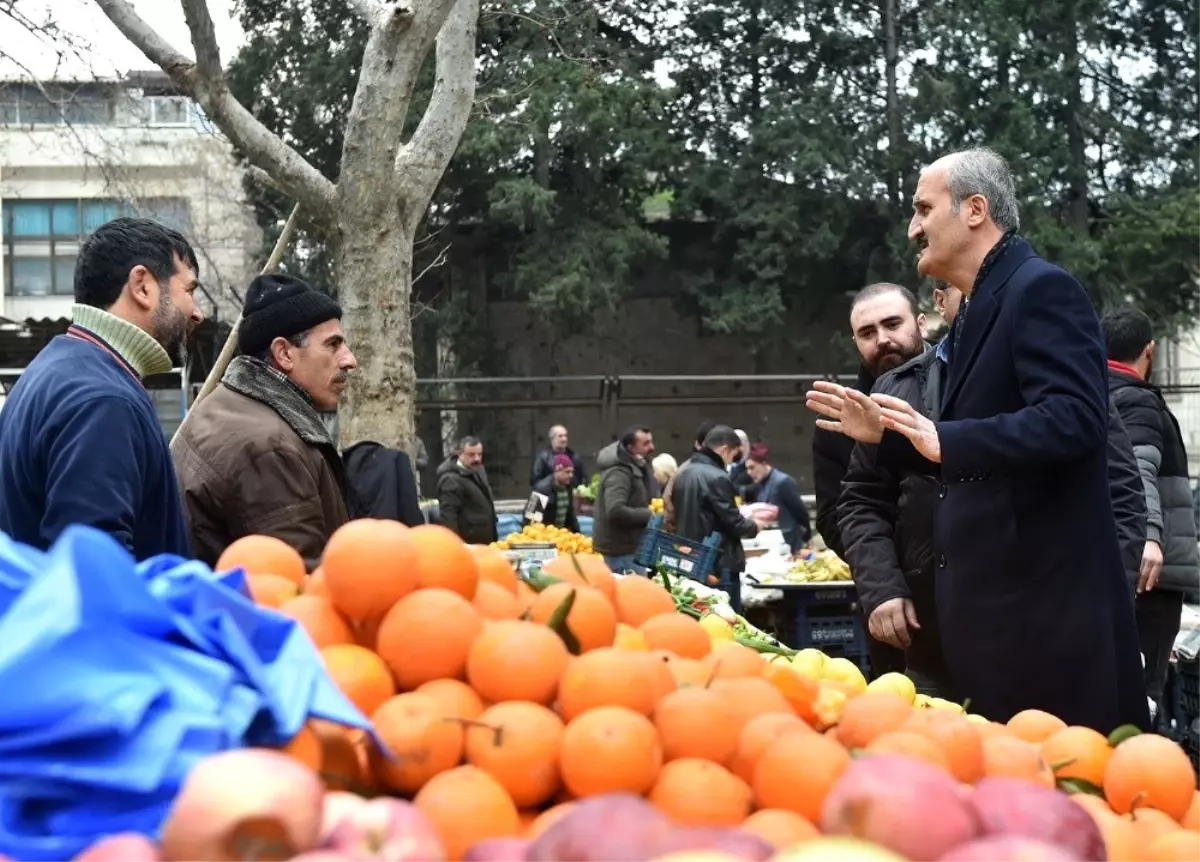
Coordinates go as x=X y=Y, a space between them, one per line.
x=1032 y=601
x=80 y=442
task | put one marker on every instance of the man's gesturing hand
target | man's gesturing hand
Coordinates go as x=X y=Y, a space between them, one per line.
x=901 y=417
x=891 y=621
x=848 y=411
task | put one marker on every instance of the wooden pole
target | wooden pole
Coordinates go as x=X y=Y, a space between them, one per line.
x=230 y=346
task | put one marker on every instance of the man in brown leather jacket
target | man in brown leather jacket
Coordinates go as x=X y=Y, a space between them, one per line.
x=255 y=456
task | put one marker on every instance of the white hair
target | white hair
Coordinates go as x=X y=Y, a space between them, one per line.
x=742 y=436
x=982 y=171
x=664 y=466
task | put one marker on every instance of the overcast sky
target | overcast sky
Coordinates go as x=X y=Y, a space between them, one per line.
x=91 y=45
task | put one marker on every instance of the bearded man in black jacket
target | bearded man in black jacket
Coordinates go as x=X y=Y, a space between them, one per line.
x=888 y=329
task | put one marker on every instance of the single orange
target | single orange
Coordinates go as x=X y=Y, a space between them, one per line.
x=780 y=828
x=1152 y=771
x=591 y=618
x=797 y=771
x=516 y=660
x=264 y=555
x=869 y=715
x=758 y=733
x=1077 y=752
x=610 y=749
x=696 y=723
x=909 y=744
x=360 y=674
x=677 y=633
x=613 y=677
x=1035 y=725
x=369 y=565
x=496 y=603
x=637 y=599
x=421 y=740
x=465 y=805
x=518 y=743
x=271 y=591
x=427 y=635
x=319 y=619
x=495 y=568
x=457 y=699
x=697 y=792
x=443 y=560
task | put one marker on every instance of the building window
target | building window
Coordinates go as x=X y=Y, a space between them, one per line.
x=54 y=104
x=170 y=110
x=42 y=238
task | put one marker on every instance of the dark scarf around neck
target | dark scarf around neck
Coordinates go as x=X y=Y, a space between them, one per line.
x=255 y=379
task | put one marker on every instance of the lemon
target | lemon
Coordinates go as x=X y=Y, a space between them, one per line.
x=976 y=719
x=845 y=671
x=717 y=628
x=809 y=662
x=922 y=701
x=896 y=683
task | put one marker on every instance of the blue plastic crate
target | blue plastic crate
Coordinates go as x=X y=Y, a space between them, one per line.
x=680 y=557
x=835 y=634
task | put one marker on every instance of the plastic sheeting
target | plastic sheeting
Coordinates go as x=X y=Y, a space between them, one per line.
x=116 y=677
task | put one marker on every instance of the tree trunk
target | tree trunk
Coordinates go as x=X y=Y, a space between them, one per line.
x=374 y=271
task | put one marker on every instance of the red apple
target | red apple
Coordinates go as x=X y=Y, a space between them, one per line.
x=498 y=850
x=388 y=829
x=124 y=847
x=249 y=803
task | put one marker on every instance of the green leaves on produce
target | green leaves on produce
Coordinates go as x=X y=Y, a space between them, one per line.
x=558 y=622
x=1079 y=785
x=1122 y=733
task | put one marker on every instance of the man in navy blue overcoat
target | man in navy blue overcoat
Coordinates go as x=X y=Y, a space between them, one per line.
x=1034 y=608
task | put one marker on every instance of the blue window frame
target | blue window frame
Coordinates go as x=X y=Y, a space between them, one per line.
x=41 y=238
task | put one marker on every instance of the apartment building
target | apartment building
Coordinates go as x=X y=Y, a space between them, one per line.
x=74 y=154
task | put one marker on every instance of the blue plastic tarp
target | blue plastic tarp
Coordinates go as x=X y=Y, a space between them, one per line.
x=117 y=677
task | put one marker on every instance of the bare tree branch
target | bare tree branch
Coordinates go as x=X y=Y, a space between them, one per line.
x=438 y=261
x=262 y=177
x=424 y=159
x=368 y=9
x=204 y=39
x=295 y=176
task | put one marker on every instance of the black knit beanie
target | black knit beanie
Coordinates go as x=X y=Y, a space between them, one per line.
x=280 y=306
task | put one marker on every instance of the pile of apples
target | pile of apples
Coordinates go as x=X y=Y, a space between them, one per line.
x=264 y=805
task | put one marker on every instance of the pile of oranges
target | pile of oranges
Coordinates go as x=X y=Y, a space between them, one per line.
x=495 y=727
x=564 y=540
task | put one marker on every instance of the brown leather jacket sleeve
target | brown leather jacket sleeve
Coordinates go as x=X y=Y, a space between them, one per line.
x=281 y=498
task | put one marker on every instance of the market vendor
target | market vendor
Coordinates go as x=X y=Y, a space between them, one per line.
x=255 y=456
x=779 y=489
x=552 y=502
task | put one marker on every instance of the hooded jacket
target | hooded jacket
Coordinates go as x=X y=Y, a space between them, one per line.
x=622 y=503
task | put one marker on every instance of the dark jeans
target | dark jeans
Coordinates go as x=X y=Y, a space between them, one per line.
x=1158 y=614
